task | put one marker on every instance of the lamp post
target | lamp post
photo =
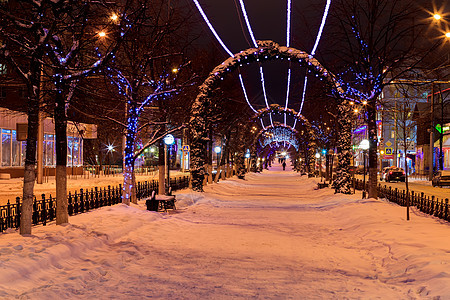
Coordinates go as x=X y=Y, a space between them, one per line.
x=217 y=149
x=364 y=145
x=169 y=140
x=320 y=162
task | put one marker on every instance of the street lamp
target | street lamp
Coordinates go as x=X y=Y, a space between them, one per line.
x=217 y=149
x=364 y=145
x=320 y=162
x=169 y=140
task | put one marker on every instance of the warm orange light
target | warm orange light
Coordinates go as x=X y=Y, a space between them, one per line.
x=102 y=34
x=382 y=152
x=356 y=110
x=114 y=17
x=437 y=16
x=174 y=70
x=447 y=34
x=364 y=102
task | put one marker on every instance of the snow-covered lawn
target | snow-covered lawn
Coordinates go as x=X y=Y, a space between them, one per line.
x=12 y=188
x=271 y=236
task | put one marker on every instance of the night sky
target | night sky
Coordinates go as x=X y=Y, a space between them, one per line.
x=268 y=21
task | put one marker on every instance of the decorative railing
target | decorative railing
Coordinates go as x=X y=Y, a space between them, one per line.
x=44 y=209
x=428 y=204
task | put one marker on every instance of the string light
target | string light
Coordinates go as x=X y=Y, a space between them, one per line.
x=261 y=72
x=288 y=41
x=250 y=31
x=262 y=124
x=288 y=24
x=322 y=25
x=212 y=28
x=313 y=51
x=245 y=93
x=197 y=4
x=287 y=93
x=263 y=85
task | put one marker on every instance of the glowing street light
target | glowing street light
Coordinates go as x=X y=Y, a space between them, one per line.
x=364 y=145
x=437 y=16
x=217 y=149
x=114 y=17
x=102 y=34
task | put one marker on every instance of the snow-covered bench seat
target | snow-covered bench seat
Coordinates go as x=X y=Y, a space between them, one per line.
x=157 y=202
x=322 y=185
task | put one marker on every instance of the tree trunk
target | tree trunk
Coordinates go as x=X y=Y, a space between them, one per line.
x=253 y=160
x=343 y=182
x=30 y=162
x=129 y=186
x=209 y=157
x=62 y=215
x=372 y=128
x=198 y=145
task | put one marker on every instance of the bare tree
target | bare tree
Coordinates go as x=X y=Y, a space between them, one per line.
x=377 y=42
x=146 y=72
x=25 y=31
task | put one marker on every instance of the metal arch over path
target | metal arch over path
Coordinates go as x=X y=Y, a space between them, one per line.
x=277 y=109
x=270 y=135
x=267 y=50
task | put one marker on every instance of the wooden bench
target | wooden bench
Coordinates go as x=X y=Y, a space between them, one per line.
x=322 y=185
x=5 y=176
x=161 y=202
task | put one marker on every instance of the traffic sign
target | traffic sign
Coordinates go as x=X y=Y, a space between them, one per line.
x=388 y=151
x=185 y=148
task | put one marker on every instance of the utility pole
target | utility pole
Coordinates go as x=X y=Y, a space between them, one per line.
x=431 y=133
x=40 y=136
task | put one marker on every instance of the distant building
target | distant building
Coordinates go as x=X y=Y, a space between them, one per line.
x=12 y=147
x=435 y=116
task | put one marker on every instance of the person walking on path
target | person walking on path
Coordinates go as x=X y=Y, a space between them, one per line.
x=284 y=165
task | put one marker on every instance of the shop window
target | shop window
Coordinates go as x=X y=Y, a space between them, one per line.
x=15 y=149
x=3 y=69
x=6 y=148
x=49 y=150
x=74 y=147
x=23 y=153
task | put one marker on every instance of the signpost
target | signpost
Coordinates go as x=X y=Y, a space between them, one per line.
x=185 y=160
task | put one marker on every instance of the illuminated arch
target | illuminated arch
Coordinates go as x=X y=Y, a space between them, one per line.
x=267 y=50
x=278 y=133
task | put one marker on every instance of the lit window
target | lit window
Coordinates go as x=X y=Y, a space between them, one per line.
x=3 y=69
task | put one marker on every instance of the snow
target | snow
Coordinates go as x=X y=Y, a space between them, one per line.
x=272 y=235
x=12 y=188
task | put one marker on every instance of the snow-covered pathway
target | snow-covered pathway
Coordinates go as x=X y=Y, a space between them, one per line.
x=271 y=236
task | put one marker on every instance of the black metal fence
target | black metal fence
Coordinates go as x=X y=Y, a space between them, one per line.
x=428 y=204
x=44 y=209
